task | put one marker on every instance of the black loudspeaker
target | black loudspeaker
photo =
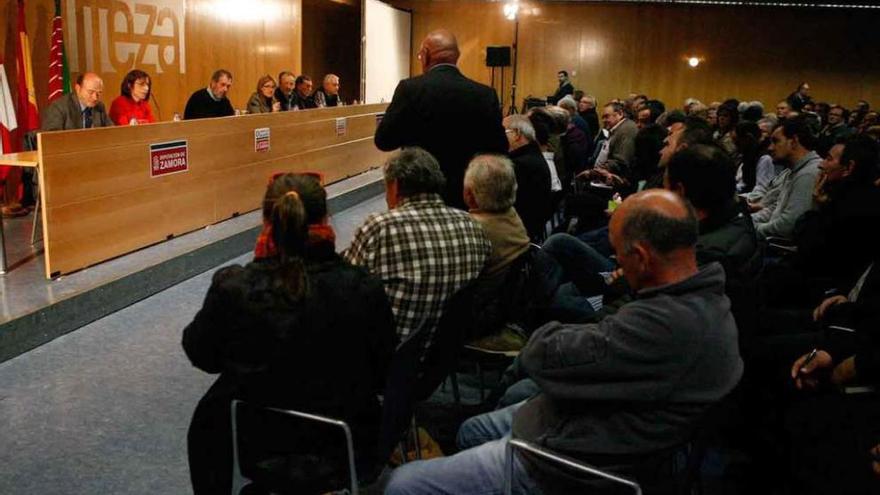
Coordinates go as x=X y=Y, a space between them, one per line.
x=497 y=56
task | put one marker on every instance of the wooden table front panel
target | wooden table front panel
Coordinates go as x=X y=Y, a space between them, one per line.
x=100 y=201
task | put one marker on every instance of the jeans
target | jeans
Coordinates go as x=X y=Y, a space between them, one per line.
x=580 y=262
x=479 y=470
x=520 y=391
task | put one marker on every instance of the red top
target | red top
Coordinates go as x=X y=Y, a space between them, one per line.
x=123 y=109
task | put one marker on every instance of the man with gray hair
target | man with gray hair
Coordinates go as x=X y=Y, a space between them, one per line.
x=328 y=94
x=489 y=192
x=571 y=106
x=423 y=250
x=534 y=198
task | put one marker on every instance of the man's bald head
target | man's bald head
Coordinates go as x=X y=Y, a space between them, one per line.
x=88 y=88
x=657 y=217
x=439 y=47
x=654 y=234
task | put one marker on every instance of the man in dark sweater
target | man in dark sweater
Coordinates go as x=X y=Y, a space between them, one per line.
x=211 y=101
x=633 y=384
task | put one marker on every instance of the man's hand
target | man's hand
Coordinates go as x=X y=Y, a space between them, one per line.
x=596 y=173
x=276 y=107
x=875 y=455
x=845 y=372
x=820 y=311
x=805 y=374
x=755 y=207
x=819 y=194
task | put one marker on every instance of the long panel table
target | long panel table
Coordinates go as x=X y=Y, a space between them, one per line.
x=110 y=191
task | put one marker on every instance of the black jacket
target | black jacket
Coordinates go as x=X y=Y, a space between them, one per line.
x=634 y=383
x=836 y=241
x=326 y=354
x=729 y=238
x=200 y=106
x=450 y=116
x=534 y=199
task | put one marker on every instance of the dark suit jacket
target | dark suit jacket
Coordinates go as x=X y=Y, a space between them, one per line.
x=533 y=195
x=65 y=113
x=450 y=116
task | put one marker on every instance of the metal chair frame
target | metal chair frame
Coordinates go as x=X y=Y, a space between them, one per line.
x=566 y=461
x=239 y=480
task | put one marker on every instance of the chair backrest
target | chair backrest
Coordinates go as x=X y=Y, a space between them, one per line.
x=419 y=365
x=239 y=480
x=561 y=460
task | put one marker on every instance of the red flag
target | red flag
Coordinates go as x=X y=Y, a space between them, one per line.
x=59 y=74
x=28 y=116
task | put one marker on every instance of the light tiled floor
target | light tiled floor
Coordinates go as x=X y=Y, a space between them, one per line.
x=105 y=409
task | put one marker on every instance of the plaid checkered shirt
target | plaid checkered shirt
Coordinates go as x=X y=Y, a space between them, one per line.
x=424 y=251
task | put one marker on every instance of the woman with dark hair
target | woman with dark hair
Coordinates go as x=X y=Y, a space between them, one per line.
x=297 y=328
x=133 y=105
x=746 y=137
x=263 y=100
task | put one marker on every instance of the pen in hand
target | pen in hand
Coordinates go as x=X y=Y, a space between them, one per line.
x=810 y=357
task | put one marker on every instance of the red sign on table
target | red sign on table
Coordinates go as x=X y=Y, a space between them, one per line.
x=168 y=158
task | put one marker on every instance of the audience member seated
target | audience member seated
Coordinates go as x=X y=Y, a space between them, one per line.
x=792 y=144
x=648 y=143
x=133 y=105
x=328 y=94
x=587 y=111
x=284 y=92
x=767 y=170
x=533 y=194
x=618 y=391
x=800 y=97
x=783 y=109
x=513 y=282
x=703 y=175
x=211 y=101
x=728 y=117
x=80 y=109
x=616 y=154
x=296 y=328
x=423 y=250
x=746 y=138
x=835 y=130
x=833 y=241
x=550 y=127
x=263 y=100
x=570 y=105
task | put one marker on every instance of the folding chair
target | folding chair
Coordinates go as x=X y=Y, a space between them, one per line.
x=558 y=459
x=239 y=481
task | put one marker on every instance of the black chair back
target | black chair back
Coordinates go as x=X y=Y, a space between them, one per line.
x=419 y=365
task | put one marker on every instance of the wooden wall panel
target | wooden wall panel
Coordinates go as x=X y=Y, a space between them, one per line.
x=331 y=43
x=249 y=38
x=100 y=202
x=753 y=53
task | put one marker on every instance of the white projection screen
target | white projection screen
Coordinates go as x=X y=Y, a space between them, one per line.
x=388 y=45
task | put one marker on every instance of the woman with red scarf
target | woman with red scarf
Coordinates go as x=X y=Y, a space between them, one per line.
x=133 y=105
x=297 y=328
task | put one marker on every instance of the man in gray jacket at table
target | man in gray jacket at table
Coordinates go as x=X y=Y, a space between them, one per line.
x=80 y=109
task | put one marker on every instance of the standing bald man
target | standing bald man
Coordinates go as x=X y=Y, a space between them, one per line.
x=80 y=109
x=447 y=114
